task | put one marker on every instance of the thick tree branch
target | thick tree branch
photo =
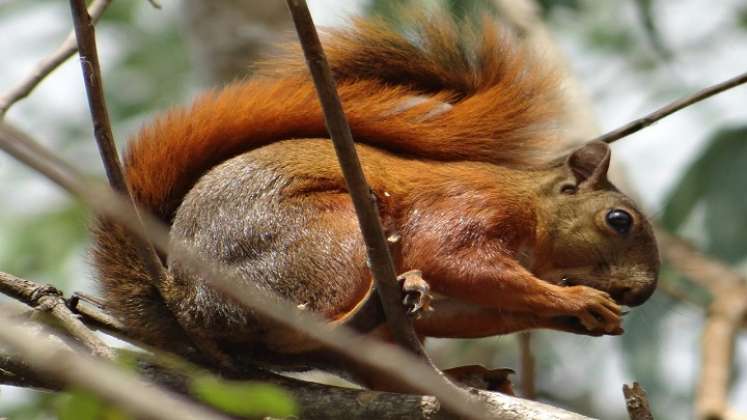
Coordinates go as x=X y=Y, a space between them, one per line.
x=48 y=299
x=673 y=107
x=48 y=64
x=319 y=401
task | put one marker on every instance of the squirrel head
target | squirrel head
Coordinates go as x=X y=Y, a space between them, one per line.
x=591 y=234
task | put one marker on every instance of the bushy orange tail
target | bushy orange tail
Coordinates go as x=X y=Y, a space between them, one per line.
x=434 y=92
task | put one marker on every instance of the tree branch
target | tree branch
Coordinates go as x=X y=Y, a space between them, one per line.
x=48 y=299
x=381 y=263
x=89 y=61
x=673 y=107
x=48 y=64
x=636 y=402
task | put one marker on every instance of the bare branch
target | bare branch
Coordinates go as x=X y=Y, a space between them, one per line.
x=381 y=263
x=115 y=385
x=89 y=62
x=636 y=402
x=673 y=107
x=48 y=64
x=48 y=299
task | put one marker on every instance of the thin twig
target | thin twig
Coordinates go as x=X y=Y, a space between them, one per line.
x=89 y=61
x=48 y=299
x=673 y=107
x=381 y=263
x=383 y=358
x=527 y=371
x=636 y=402
x=115 y=385
x=48 y=64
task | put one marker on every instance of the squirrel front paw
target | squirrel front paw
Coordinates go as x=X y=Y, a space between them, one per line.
x=595 y=310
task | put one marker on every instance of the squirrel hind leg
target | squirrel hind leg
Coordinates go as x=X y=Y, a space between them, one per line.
x=286 y=246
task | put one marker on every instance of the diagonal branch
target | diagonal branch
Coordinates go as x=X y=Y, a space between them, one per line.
x=89 y=61
x=673 y=107
x=381 y=263
x=48 y=64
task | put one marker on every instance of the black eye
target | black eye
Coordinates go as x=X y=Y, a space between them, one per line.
x=620 y=220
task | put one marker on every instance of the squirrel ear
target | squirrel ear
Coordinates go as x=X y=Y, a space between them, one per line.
x=589 y=163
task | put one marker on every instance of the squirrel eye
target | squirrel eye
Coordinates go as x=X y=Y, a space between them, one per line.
x=619 y=220
x=568 y=189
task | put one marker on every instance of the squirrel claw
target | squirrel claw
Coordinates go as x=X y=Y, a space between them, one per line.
x=417 y=292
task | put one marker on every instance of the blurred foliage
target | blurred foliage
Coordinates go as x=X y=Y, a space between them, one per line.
x=250 y=399
x=83 y=405
x=715 y=187
x=462 y=9
x=41 y=244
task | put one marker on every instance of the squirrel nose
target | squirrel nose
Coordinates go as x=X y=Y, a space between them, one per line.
x=632 y=295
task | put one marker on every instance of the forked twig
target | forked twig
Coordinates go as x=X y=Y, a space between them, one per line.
x=673 y=107
x=48 y=64
x=48 y=299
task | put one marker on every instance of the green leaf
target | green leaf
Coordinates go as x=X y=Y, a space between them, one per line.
x=79 y=405
x=244 y=398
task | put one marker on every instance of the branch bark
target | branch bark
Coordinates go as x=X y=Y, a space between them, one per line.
x=47 y=65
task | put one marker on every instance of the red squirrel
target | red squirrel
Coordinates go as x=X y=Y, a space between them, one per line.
x=457 y=136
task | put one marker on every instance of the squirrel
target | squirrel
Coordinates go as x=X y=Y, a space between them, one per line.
x=456 y=130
